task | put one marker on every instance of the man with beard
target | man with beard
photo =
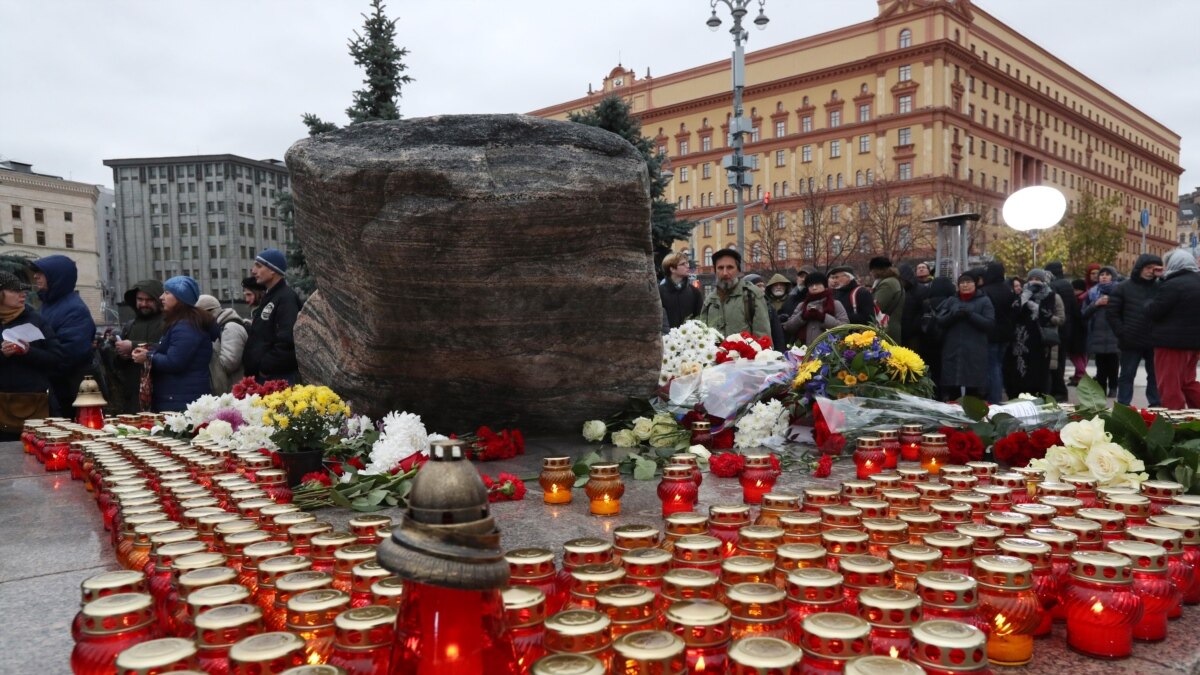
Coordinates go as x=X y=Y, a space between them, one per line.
x=735 y=305
x=146 y=328
x=858 y=301
x=270 y=352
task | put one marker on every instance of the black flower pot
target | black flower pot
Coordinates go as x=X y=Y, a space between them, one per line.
x=297 y=464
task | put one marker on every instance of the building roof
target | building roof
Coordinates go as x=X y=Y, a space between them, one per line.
x=273 y=164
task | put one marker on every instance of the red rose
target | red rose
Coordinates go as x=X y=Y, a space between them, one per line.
x=1147 y=416
x=316 y=477
x=357 y=463
x=824 y=467
x=1043 y=439
x=964 y=445
x=833 y=445
x=1016 y=449
x=726 y=464
x=408 y=463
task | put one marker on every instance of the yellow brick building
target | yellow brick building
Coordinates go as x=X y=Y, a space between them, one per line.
x=932 y=107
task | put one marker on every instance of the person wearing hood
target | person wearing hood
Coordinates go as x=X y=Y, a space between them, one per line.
x=225 y=367
x=888 y=293
x=940 y=289
x=1092 y=276
x=680 y=299
x=858 y=301
x=1073 y=334
x=1176 y=335
x=1037 y=318
x=819 y=313
x=24 y=366
x=778 y=339
x=69 y=318
x=1126 y=314
x=146 y=328
x=914 y=296
x=270 y=352
x=777 y=291
x=965 y=319
x=179 y=362
x=999 y=292
x=1101 y=339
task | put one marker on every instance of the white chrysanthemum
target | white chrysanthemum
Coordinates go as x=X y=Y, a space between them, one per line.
x=217 y=430
x=252 y=437
x=403 y=436
x=764 y=422
x=693 y=342
x=177 y=422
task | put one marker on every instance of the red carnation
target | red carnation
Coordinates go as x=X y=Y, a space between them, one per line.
x=833 y=445
x=726 y=464
x=824 y=467
x=504 y=488
x=1043 y=439
x=1147 y=416
x=775 y=466
x=356 y=462
x=1016 y=449
x=316 y=477
x=338 y=468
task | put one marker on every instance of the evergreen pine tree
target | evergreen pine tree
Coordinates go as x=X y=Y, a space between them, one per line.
x=614 y=114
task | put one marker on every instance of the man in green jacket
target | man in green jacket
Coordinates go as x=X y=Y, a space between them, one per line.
x=889 y=293
x=735 y=305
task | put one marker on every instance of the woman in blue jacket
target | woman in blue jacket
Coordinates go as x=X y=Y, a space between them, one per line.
x=179 y=363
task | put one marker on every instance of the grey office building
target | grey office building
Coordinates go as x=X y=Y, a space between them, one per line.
x=205 y=216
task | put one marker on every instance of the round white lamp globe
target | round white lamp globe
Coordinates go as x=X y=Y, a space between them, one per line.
x=1034 y=208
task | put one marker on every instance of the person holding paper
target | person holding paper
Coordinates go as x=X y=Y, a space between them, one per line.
x=28 y=352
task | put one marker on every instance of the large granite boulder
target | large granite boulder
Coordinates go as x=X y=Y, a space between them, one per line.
x=477 y=269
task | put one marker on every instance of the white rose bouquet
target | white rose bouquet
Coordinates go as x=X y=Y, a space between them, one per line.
x=1088 y=450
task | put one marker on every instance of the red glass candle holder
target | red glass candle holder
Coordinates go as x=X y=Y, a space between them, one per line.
x=686 y=584
x=943 y=647
x=111 y=625
x=219 y=628
x=388 y=591
x=698 y=551
x=105 y=584
x=452 y=631
x=890 y=436
x=891 y=614
x=857 y=489
x=577 y=552
x=840 y=517
x=934 y=453
x=649 y=651
x=677 y=490
x=556 y=480
x=702 y=434
x=758 y=609
x=157 y=656
x=525 y=615
x=587 y=580
x=869 y=457
x=705 y=628
x=812 y=590
x=861 y=572
x=1101 y=606
x=911 y=560
x=679 y=525
x=689 y=459
x=757 y=478
x=742 y=569
x=776 y=504
x=1151 y=583
x=724 y=523
x=289 y=586
x=816 y=498
x=1182 y=573
x=984 y=537
x=1189 y=531
x=366 y=527
x=646 y=567
x=957 y=550
x=534 y=567
x=951 y=596
x=830 y=639
x=1062 y=545
x=363 y=640
x=266 y=653
x=362 y=577
x=759 y=540
x=630 y=607
x=910 y=442
x=801 y=528
x=790 y=557
x=344 y=560
x=325 y=545
x=578 y=631
x=1008 y=602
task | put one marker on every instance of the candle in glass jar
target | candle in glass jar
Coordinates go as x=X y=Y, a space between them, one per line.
x=629 y=607
x=869 y=457
x=219 y=628
x=943 y=647
x=157 y=656
x=704 y=626
x=646 y=566
x=648 y=651
x=111 y=624
x=677 y=490
x=1151 y=583
x=363 y=637
x=525 y=616
x=934 y=452
x=831 y=639
x=556 y=480
x=1101 y=606
x=578 y=631
x=1008 y=602
x=910 y=442
x=605 y=488
x=890 y=436
x=757 y=478
x=764 y=654
x=264 y=653
x=892 y=614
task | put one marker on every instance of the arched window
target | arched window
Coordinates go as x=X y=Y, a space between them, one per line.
x=704 y=123
x=779 y=106
x=679 y=203
x=775 y=188
x=687 y=202
x=829 y=181
x=710 y=200
x=781 y=251
x=811 y=184
x=833 y=95
x=726 y=199
x=858 y=178
x=863 y=89
x=840 y=182
x=758 y=192
x=804 y=101
x=756 y=252
x=784 y=192
x=906 y=38
x=870 y=177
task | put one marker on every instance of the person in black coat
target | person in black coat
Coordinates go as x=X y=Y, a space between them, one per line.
x=931 y=335
x=24 y=365
x=1072 y=333
x=1127 y=316
x=778 y=339
x=914 y=299
x=858 y=301
x=999 y=292
x=680 y=299
x=270 y=352
x=1176 y=336
x=965 y=320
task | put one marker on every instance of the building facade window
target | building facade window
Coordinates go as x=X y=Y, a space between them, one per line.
x=904 y=104
x=806 y=153
x=780 y=157
x=16 y=212
x=730 y=226
x=755 y=223
x=39 y=216
x=835 y=216
x=683 y=147
x=835 y=118
x=708 y=229
x=69 y=240
x=806 y=123
x=904 y=206
x=905 y=136
x=41 y=238
x=864 y=112
x=905 y=38
x=683 y=178
x=780 y=128
x=708 y=256
x=18 y=235
x=706 y=170
x=864 y=144
x=905 y=73
x=68 y=216
x=835 y=148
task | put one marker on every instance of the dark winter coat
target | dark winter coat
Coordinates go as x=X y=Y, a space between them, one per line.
x=791 y=303
x=63 y=310
x=1101 y=339
x=1174 y=312
x=1072 y=332
x=127 y=375
x=29 y=372
x=914 y=298
x=1127 y=307
x=858 y=301
x=889 y=295
x=999 y=292
x=682 y=302
x=180 y=366
x=965 y=326
x=270 y=346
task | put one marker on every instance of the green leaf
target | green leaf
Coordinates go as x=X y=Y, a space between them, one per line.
x=580 y=481
x=374 y=497
x=1090 y=395
x=391 y=500
x=401 y=491
x=856 y=365
x=339 y=499
x=644 y=469
x=1184 y=475
x=1160 y=436
x=584 y=464
x=976 y=409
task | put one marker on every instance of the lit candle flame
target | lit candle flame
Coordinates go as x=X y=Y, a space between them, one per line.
x=553 y=488
x=1097 y=608
x=452 y=652
x=1003 y=627
x=699 y=665
x=314 y=659
x=894 y=653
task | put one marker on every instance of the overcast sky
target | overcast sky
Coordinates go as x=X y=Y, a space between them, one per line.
x=88 y=80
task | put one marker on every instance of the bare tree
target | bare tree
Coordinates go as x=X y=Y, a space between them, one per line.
x=825 y=234
x=891 y=220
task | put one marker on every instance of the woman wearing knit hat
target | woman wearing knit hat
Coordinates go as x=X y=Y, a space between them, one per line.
x=179 y=362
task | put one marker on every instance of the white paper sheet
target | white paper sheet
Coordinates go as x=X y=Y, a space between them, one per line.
x=25 y=332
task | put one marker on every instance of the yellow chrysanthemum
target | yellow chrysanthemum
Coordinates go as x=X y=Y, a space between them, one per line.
x=850 y=380
x=904 y=364
x=860 y=340
x=862 y=377
x=806 y=372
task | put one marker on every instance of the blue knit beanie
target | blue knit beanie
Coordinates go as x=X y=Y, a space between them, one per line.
x=185 y=289
x=275 y=259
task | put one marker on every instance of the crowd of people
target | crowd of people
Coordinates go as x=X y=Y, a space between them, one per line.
x=179 y=345
x=984 y=333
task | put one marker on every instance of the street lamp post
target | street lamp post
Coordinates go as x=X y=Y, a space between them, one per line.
x=739 y=172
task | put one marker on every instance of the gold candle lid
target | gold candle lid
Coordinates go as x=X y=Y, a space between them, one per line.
x=919 y=518
x=698 y=614
x=260 y=551
x=746 y=564
x=321 y=669
x=309 y=528
x=869 y=505
x=522 y=597
x=870 y=443
x=1032 y=551
x=645 y=556
x=604 y=471
x=864 y=564
x=586 y=545
x=888 y=433
x=636 y=531
x=647 y=645
x=1002 y=571
x=933 y=437
x=799 y=519
x=371 y=520
x=889 y=607
x=576 y=622
x=685 y=520
x=765 y=653
x=1085 y=530
x=911 y=429
x=624 y=595
x=975 y=500
x=697 y=542
x=528 y=556
x=1186 y=500
x=781 y=500
x=957 y=470
x=1102 y=567
x=569 y=664
x=236 y=542
x=156 y=654
x=144 y=531
x=600 y=573
x=1061 y=542
x=1162 y=488
x=275 y=510
x=167 y=552
x=881 y=665
x=556 y=462
x=914 y=553
x=307 y=580
x=195 y=561
x=855 y=486
x=820 y=495
x=265 y=647
x=319 y=600
x=334 y=538
x=220 y=594
x=1130 y=504
x=1146 y=556
x=272 y=568
x=983 y=467
x=390 y=587
x=116 y=604
x=235 y=525
x=754 y=593
x=761 y=532
x=814 y=577
x=1001 y=522
x=932 y=490
x=837 y=634
x=284 y=521
x=228 y=616
x=355 y=553
x=949 y=645
x=129 y=581
x=689 y=577
x=844 y=536
x=799 y=552
x=1038 y=511
x=728 y=513
x=206 y=576
x=959 y=509
x=366 y=618
x=1188 y=528
x=935 y=587
x=1171 y=540
x=1186 y=510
